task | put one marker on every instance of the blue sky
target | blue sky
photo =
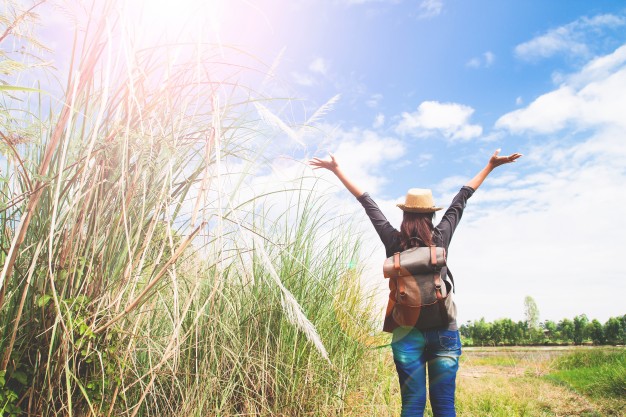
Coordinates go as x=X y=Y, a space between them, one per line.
x=430 y=88
x=427 y=91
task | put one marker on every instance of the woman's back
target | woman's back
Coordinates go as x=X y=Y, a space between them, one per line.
x=414 y=350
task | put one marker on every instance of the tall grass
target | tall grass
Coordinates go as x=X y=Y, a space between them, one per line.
x=133 y=282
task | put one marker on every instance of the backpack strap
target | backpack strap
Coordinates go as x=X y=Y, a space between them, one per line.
x=441 y=301
x=433 y=261
x=437 y=276
x=433 y=255
x=438 y=283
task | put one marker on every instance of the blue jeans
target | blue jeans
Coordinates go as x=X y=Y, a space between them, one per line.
x=412 y=351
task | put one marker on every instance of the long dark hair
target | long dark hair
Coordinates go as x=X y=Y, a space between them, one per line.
x=416 y=230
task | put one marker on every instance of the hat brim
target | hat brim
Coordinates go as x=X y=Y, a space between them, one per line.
x=403 y=207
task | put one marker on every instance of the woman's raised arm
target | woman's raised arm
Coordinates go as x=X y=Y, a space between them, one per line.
x=333 y=166
x=494 y=162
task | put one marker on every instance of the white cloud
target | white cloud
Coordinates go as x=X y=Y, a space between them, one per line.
x=557 y=40
x=489 y=58
x=319 y=65
x=493 y=136
x=519 y=101
x=364 y=154
x=424 y=159
x=430 y=8
x=599 y=68
x=379 y=121
x=317 y=69
x=484 y=61
x=570 y=39
x=474 y=63
x=548 y=113
x=374 y=100
x=304 y=79
x=592 y=98
x=448 y=119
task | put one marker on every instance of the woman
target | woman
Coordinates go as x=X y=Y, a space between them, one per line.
x=414 y=350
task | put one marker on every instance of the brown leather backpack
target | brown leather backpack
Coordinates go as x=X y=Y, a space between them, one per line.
x=418 y=296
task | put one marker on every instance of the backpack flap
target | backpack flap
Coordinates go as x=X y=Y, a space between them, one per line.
x=418 y=294
x=415 y=261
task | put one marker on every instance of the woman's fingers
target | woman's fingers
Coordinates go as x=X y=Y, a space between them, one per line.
x=507 y=159
x=497 y=160
x=322 y=163
x=319 y=163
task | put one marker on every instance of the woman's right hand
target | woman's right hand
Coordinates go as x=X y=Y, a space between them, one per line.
x=330 y=165
x=333 y=166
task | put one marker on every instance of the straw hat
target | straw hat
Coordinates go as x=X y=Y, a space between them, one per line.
x=419 y=200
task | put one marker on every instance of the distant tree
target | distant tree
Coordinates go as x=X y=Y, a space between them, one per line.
x=580 y=328
x=565 y=330
x=613 y=331
x=497 y=332
x=531 y=312
x=513 y=335
x=549 y=325
x=481 y=332
x=522 y=329
x=596 y=332
x=537 y=336
x=549 y=330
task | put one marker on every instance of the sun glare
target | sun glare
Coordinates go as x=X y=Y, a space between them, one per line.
x=181 y=10
x=237 y=22
x=174 y=20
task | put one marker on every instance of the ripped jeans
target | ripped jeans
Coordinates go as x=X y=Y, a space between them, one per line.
x=413 y=350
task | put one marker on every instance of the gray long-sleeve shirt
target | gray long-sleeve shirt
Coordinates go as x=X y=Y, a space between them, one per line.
x=442 y=235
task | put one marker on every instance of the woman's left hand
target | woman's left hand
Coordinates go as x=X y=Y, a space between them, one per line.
x=496 y=160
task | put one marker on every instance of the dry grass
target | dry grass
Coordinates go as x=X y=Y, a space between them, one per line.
x=378 y=394
x=507 y=395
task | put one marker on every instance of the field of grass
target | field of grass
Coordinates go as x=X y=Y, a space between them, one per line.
x=512 y=381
